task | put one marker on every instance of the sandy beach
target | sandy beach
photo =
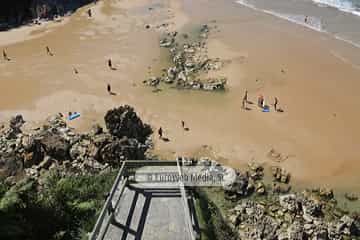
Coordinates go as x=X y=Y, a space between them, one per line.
x=314 y=76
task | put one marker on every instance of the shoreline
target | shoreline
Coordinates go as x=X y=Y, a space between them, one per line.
x=135 y=49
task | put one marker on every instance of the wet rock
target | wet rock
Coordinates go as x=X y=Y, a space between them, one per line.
x=326 y=193
x=124 y=122
x=234 y=182
x=351 y=196
x=296 y=231
x=280 y=175
x=289 y=202
x=153 y=81
x=167 y=42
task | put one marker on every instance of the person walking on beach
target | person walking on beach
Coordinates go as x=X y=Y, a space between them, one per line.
x=48 y=51
x=306 y=19
x=245 y=100
x=183 y=124
x=109 y=88
x=5 y=56
x=160 y=132
x=89 y=13
x=276 y=101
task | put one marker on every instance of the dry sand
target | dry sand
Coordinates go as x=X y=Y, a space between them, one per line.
x=316 y=135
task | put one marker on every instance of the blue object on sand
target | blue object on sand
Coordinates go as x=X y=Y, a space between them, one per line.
x=74 y=116
x=266 y=110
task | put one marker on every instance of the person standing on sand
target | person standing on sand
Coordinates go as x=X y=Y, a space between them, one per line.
x=246 y=96
x=276 y=101
x=89 y=13
x=110 y=64
x=48 y=51
x=109 y=88
x=260 y=101
x=183 y=124
x=160 y=132
x=245 y=100
x=306 y=19
x=5 y=56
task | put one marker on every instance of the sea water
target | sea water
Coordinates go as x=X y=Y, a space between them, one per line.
x=340 y=18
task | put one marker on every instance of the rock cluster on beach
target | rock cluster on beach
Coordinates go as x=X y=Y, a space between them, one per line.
x=272 y=211
x=55 y=145
x=189 y=62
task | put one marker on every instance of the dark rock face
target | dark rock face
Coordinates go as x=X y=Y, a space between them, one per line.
x=124 y=122
x=15 y=13
x=10 y=164
x=55 y=145
x=123 y=149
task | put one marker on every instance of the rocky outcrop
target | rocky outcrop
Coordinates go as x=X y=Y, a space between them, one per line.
x=189 y=62
x=15 y=13
x=55 y=145
x=124 y=122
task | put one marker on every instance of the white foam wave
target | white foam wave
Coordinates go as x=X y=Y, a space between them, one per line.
x=313 y=22
x=342 y=5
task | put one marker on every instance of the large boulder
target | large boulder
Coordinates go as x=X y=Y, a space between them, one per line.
x=124 y=149
x=235 y=182
x=124 y=122
x=55 y=146
x=10 y=164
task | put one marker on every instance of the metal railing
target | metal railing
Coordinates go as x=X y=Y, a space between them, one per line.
x=185 y=202
x=108 y=212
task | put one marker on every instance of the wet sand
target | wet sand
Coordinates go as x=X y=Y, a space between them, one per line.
x=316 y=135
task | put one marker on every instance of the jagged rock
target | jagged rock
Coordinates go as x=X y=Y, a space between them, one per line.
x=167 y=42
x=55 y=146
x=214 y=84
x=296 y=231
x=96 y=129
x=280 y=175
x=189 y=61
x=10 y=164
x=125 y=149
x=311 y=209
x=34 y=152
x=326 y=193
x=260 y=188
x=46 y=163
x=153 y=81
x=346 y=226
x=289 y=202
x=123 y=121
x=17 y=122
x=351 y=196
x=235 y=182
